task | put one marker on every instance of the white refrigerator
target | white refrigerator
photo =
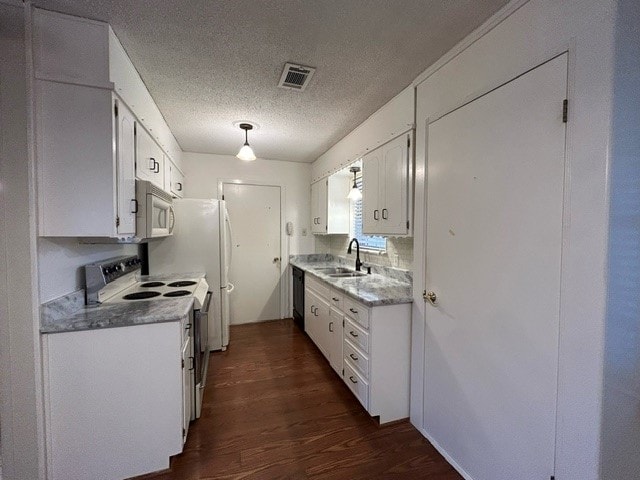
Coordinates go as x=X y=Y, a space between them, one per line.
x=201 y=242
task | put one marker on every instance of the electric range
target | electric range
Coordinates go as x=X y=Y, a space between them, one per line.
x=118 y=280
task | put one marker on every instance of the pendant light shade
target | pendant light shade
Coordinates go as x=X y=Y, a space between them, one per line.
x=354 y=194
x=246 y=152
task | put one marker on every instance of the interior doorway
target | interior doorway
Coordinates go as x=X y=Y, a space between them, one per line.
x=255 y=217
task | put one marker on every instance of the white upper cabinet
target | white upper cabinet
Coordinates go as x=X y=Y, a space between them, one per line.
x=96 y=129
x=82 y=162
x=125 y=166
x=330 y=205
x=173 y=178
x=149 y=159
x=386 y=188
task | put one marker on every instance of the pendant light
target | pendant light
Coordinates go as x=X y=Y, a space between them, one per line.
x=355 y=194
x=246 y=152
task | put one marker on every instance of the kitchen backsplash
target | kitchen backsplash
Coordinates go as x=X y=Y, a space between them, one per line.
x=399 y=252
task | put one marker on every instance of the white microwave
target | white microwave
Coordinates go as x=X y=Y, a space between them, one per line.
x=154 y=215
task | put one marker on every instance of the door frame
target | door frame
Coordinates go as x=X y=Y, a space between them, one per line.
x=284 y=310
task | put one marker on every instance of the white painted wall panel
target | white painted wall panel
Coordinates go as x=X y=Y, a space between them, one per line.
x=394 y=118
x=620 y=423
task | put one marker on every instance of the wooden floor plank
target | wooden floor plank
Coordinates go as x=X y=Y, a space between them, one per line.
x=274 y=409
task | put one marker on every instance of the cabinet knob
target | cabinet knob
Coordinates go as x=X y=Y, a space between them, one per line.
x=385 y=214
x=376 y=215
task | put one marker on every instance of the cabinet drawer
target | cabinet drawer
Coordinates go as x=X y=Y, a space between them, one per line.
x=357 y=385
x=356 y=358
x=356 y=335
x=336 y=299
x=318 y=286
x=356 y=311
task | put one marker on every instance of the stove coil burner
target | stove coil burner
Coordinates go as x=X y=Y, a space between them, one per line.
x=177 y=293
x=140 y=295
x=182 y=283
x=152 y=284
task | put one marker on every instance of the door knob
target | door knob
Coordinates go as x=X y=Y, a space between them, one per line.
x=431 y=296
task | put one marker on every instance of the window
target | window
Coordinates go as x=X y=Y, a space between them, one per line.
x=370 y=242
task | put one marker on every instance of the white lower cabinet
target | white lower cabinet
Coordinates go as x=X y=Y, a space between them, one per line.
x=115 y=400
x=369 y=347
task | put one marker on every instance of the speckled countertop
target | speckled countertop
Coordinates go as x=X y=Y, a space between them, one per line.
x=56 y=320
x=384 y=286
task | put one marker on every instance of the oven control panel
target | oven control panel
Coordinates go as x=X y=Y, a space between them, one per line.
x=100 y=274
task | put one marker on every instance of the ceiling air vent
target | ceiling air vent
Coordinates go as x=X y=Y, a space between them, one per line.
x=296 y=77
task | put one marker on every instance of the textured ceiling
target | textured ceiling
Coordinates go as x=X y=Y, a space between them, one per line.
x=209 y=63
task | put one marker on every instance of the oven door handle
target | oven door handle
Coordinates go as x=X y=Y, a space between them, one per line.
x=207 y=303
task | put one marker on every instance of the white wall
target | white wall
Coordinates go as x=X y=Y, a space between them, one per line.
x=204 y=171
x=60 y=262
x=533 y=33
x=20 y=405
x=621 y=422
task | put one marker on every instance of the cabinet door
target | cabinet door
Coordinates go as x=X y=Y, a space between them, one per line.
x=394 y=188
x=76 y=161
x=126 y=187
x=370 y=192
x=335 y=339
x=149 y=158
x=319 y=206
x=310 y=322
x=176 y=181
x=187 y=388
x=337 y=210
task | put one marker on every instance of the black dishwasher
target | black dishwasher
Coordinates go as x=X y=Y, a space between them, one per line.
x=298 y=297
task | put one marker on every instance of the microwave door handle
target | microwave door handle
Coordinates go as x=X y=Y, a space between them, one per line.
x=172 y=220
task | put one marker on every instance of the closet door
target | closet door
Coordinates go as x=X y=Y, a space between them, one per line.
x=494 y=236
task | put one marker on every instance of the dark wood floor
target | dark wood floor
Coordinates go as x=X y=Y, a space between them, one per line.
x=274 y=409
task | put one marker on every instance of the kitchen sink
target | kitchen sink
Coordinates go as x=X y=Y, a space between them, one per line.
x=347 y=274
x=334 y=270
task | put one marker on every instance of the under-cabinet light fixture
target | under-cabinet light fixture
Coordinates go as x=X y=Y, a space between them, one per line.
x=246 y=152
x=355 y=194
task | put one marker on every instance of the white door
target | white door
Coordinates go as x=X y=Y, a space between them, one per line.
x=493 y=237
x=254 y=212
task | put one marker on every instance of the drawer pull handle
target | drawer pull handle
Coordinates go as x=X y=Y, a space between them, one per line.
x=353 y=311
x=335 y=299
x=385 y=215
x=353 y=380
x=353 y=334
x=331 y=326
x=353 y=357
